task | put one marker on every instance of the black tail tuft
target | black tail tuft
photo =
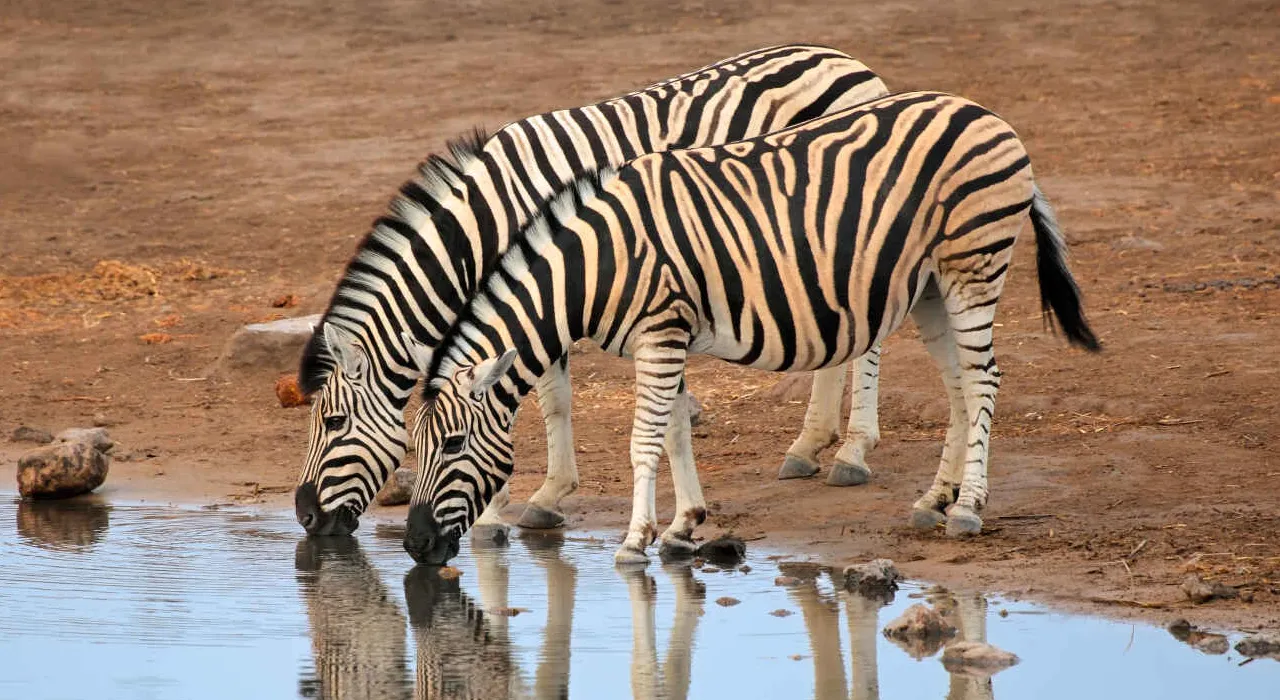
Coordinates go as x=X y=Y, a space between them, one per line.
x=1059 y=295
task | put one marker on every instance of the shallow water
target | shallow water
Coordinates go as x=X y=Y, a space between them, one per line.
x=124 y=601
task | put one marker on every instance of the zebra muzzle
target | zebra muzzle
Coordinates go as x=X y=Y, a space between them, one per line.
x=425 y=542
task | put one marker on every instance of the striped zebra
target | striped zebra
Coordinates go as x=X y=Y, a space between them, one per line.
x=424 y=258
x=793 y=251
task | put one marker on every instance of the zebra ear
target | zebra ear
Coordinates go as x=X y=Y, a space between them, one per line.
x=419 y=353
x=345 y=349
x=487 y=373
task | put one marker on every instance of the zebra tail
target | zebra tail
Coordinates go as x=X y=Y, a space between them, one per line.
x=1059 y=295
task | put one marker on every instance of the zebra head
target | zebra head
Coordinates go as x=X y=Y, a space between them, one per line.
x=356 y=437
x=462 y=436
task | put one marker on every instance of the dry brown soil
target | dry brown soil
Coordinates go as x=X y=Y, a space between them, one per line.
x=173 y=167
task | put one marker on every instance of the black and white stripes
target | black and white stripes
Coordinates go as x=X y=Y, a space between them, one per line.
x=425 y=258
x=797 y=250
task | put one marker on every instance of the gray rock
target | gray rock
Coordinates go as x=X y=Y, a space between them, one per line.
x=97 y=438
x=978 y=657
x=920 y=631
x=62 y=470
x=273 y=347
x=877 y=577
x=1200 y=591
x=695 y=409
x=1259 y=645
x=399 y=488
x=25 y=433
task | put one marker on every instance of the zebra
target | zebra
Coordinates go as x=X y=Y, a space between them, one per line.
x=357 y=629
x=792 y=251
x=418 y=266
x=668 y=680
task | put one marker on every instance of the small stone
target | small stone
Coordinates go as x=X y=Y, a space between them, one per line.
x=274 y=346
x=696 y=414
x=399 y=488
x=781 y=612
x=25 y=433
x=1259 y=645
x=449 y=573
x=1202 y=641
x=697 y=563
x=507 y=612
x=97 y=438
x=920 y=631
x=710 y=570
x=62 y=470
x=976 y=657
x=875 y=578
x=289 y=393
x=1199 y=591
x=744 y=569
x=725 y=551
x=727 y=602
x=787 y=581
x=796 y=657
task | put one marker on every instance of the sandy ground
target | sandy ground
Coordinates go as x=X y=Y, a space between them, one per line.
x=176 y=167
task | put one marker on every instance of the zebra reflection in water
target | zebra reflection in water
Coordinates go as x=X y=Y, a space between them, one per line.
x=357 y=629
x=821 y=611
x=670 y=679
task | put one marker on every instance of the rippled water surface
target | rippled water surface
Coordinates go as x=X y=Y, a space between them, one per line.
x=100 y=601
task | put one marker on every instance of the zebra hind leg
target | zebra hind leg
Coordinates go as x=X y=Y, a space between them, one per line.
x=691 y=507
x=930 y=315
x=980 y=380
x=555 y=399
x=821 y=424
x=863 y=433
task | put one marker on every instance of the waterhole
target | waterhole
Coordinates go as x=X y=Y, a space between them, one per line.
x=128 y=601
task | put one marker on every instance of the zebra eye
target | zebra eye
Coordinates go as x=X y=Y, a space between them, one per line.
x=453 y=444
x=335 y=423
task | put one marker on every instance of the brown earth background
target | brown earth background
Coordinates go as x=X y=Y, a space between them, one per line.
x=175 y=167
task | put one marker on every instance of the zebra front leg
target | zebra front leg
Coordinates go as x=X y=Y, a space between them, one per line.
x=690 y=594
x=555 y=398
x=641 y=588
x=980 y=380
x=490 y=528
x=659 y=375
x=935 y=330
x=821 y=424
x=691 y=507
x=863 y=615
x=863 y=433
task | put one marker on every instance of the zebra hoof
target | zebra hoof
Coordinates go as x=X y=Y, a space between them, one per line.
x=630 y=557
x=962 y=522
x=676 y=548
x=535 y=517
x=794 y=467
x=845 y=474
x=489 y=535
x=926 y=518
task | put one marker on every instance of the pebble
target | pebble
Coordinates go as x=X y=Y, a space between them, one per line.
x=399 y=488
x=920 y=622
x=876 y=577
x=1200 y=591
x=976 y=656
x=781 y=612
x=786 y=581
x=62 y=470
x=25 y=433
x=727 y=602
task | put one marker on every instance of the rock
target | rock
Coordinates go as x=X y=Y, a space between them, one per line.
x=978 y=657
x=878 y=577
x=1200 y=591
x=695 y=409
x=724 y=551
x=275 y=346
x=25 y=433
x=744 y=569
x=920 y=631
x=62 y=470
x=1259 y=645
x=97 y=438
x=289 y=393
x=1202 y=641
x=399 y=488
x=507 y=612
x=711 y=570
x=448 y=573
x=781 y=612
x=786 y=581
x=727 y=602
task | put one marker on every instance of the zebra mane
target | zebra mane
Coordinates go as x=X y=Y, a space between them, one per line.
x=439 y=178
x=553 y=214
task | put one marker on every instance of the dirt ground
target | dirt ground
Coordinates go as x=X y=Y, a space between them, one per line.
x=172 y=168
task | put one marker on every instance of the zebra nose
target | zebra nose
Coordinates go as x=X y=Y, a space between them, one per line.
x=423 y=539
x=306 y=504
